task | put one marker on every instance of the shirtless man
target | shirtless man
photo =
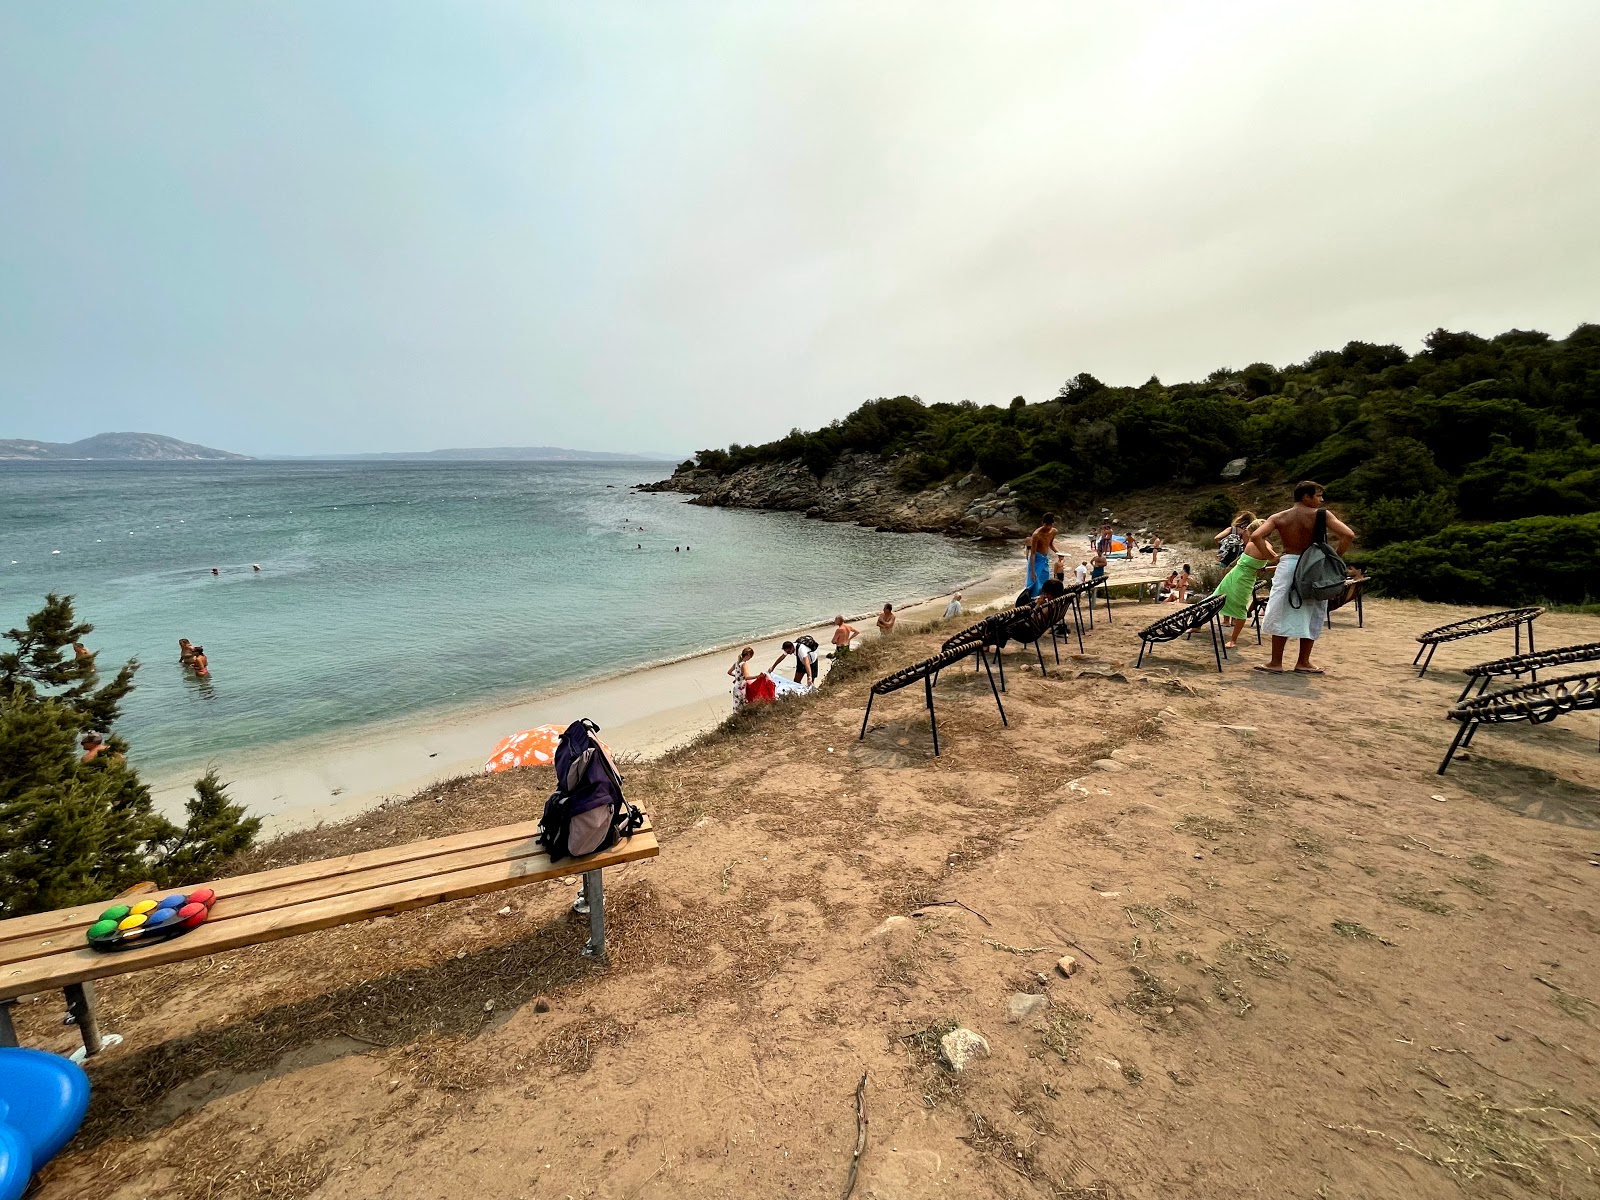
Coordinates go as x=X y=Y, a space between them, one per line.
x=1295 y=528
x=1041 y=545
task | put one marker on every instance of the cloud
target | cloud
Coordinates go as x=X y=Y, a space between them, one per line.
x=301 y=228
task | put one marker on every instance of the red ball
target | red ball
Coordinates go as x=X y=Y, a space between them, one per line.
x=202 y=896
x=190 y=911
x=198 y=919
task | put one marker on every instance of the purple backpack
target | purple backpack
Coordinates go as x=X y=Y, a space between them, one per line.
x=587 y=812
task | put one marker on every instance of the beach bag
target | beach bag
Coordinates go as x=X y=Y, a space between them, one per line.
x=587 y=812
x=1232 y=547
x=1320 y=573
x=806 y=640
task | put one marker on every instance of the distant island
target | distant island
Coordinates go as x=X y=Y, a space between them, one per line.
x=497 y=454
x=115 y=447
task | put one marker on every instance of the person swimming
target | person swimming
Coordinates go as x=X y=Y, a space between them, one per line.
x=185 y=651
x=198 y=662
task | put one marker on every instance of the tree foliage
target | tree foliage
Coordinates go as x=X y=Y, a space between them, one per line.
x=74 y=832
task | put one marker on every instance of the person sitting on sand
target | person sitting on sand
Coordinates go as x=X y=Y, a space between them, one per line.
x=842 y=633
x=1237 y=586
x=886 y=620
x=1293 y=616
x=1167 y=589
x=1185 y=580
x=953 y=609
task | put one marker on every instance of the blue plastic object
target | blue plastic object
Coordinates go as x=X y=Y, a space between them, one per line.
x=16 y=1164
x=44 y=1098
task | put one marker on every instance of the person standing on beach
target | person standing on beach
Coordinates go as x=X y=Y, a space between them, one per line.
x=805 y=660
x=1082 y=572
x=1041 y=545
x=1237 y=588
x=1289 y=615
x=886 y=620
x=1155 y=550
x=842 y=633
x=953 y=609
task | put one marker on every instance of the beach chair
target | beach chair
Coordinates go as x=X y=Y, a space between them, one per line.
x=1536 y=703
x=1511 y=618
x=1183 y=623
x=1354 y=589
x=990 y=631
x=925 y=672
x=1031 y=624
x=1260 y=591
x=1516 y=664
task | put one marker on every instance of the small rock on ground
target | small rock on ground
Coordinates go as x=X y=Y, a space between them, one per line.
x=960 y=1046
x=1024 y=1005
x=887 y=927
x=1107 y=764
x=1067 y=965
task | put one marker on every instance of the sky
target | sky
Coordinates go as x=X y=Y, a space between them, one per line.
x=325 y=226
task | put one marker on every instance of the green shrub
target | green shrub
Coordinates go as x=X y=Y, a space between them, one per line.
x=1514 y=562
x=1213 y=514
x=1381 y=522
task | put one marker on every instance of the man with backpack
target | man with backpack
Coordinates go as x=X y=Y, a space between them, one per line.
x=804 y=649
x=1309 y=571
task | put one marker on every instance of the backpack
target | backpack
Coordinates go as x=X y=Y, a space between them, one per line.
x=1320 y=573
x=806 y=640
x=1232 y=547
x=586 y=813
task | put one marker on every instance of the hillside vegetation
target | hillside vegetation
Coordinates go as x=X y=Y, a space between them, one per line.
x=1440 y=459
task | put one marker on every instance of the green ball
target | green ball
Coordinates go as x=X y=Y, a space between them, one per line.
x=102 y=929
x=115 y=913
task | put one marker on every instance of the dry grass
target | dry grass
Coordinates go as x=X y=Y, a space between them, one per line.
x=1427 y=902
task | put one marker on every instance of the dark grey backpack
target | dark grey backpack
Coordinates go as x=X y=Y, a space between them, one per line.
x=1320 y=573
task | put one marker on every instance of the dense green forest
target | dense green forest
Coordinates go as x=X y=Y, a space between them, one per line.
x=1470 y=434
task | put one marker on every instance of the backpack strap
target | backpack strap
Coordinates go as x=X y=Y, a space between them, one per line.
x=1319 y=531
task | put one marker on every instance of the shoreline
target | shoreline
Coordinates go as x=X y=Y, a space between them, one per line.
x=644 y=711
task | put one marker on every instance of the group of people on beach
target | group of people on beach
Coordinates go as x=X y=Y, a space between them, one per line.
x=193 y=659
x=1245 y=549
x=751 y=686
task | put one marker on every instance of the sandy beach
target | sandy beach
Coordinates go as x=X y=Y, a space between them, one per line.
x=643 y=712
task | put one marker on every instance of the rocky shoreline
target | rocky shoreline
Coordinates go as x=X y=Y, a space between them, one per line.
x=859 y=488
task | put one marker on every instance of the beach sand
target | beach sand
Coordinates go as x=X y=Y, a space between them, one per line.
x=1305 y=964
x=642 y=714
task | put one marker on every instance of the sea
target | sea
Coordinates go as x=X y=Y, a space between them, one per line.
x=391 y=590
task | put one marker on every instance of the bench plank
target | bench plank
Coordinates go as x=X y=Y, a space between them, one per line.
x=242 y=885
x=79 y=965
x=230 y=906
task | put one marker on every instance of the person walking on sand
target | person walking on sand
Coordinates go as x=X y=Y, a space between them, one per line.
x=1041 y=545
x=953 y=609
x=842 y=633
x=1238 y=585
x=886 y=620
x=1288 y=614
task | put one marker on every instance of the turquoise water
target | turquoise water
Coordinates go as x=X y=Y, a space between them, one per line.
x=391 y=589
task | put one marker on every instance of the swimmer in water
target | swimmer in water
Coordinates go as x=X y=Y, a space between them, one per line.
x=214 y=571
x=256 y=567
x=79 y=650
x=198 y=663
x=185 y=651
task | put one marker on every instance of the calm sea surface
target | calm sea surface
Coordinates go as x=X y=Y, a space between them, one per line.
x=390 y=589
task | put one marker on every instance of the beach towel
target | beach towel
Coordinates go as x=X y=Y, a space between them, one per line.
x=1237 y=584
x=1282 y=618
x=1038 y=571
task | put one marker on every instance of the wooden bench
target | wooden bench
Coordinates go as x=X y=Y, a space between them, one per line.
x=49 y=950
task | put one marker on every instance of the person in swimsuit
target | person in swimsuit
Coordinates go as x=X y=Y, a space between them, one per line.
x=1041 y=545
x=886 y=619
x=842 y=633
x=198 y=663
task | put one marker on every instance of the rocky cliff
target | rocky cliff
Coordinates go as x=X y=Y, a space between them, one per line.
x=859 y=488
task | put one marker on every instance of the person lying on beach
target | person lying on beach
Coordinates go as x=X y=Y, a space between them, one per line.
x=842 y=634
x=886 y=619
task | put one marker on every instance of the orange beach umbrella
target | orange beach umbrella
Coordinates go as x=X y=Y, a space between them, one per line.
x=530 y=748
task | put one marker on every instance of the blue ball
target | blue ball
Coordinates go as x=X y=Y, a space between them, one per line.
x=161 y=916
x=175 y=901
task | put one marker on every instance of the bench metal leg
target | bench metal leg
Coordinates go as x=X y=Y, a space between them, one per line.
x=933 y=717
x=1470 y=681
x=1530 y=639
x=1516 y=635
x=1472 y=732
x=594 y=893
x=1418 y=656
x=1427 y=660
x=1077 y=620
x=995 y=690
x=85 y=1013
x=864 y=717
x=1000 y=661
x=1455 y=745
x=8 y=1031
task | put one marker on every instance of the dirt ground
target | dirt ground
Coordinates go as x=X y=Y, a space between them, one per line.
x=1307 y=966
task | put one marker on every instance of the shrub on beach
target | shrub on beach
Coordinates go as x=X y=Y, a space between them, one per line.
x=1536 y=559
x=73 y=832
x=1214 y=513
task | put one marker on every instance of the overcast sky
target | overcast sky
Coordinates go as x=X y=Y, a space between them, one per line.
x=322 y=226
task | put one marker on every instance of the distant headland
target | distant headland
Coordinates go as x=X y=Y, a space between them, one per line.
x=115 y=447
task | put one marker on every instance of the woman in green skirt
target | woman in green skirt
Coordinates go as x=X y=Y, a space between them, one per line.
x=1239 y=582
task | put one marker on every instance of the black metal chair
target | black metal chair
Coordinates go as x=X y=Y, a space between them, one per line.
x=1033 y=623
x=1511 y=618
x=1183 y=623
x=926 y=671
x=1535 y=703
x=1260 y=591
x=1516 y=664
x=1354 y=588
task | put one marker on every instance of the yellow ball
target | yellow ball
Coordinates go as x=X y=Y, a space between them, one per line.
x=132 y=922
x=143 y=906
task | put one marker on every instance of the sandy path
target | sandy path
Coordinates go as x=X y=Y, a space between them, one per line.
x=1301 y=972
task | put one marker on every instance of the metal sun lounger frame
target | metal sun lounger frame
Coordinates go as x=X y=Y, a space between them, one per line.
x=1510 y=618
x=1535 y=703
x=927 y=671
x=1183 y=623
